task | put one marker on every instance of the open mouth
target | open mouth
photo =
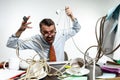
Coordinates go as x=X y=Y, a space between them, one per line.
x=50 y=40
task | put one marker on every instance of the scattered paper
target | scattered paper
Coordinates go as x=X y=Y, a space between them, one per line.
x=107 y=75
x=5 y=74
x=76 y=78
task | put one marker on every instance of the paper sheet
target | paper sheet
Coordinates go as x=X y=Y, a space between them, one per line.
x=6 y=73
x=76 y=78
x=107 y=75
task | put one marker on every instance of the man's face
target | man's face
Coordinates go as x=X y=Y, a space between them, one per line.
x=48 y=33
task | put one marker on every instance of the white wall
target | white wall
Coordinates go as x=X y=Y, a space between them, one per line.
x=87 y=12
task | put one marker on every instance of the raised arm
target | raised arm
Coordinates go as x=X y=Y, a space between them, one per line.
x=14 y=39
x=23 y=26
x=76 y=26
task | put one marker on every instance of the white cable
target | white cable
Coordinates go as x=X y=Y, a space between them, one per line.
x=40 y=54
x=37 y=66
x=61 y=12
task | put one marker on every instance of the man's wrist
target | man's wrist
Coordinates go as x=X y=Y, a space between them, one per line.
x=72 y=18
x=14 y=35
x=75 y=20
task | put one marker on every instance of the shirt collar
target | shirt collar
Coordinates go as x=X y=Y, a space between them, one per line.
x=43 y=40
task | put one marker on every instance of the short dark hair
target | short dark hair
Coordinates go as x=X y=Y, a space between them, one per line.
x=46 y=21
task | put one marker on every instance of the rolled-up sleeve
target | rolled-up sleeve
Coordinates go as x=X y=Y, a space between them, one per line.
x=13 y=42
x=76 y=26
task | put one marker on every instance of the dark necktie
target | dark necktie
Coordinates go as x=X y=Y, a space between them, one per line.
x=52 y=54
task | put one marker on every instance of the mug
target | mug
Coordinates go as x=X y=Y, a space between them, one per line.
x=77 y=63
x=13 y=64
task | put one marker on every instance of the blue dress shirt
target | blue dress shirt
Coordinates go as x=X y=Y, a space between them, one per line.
x=35 y=42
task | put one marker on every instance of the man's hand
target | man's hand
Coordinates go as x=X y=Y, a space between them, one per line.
x=69 y=12
x=23 y=26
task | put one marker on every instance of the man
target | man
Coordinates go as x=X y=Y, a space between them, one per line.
x=49 y=36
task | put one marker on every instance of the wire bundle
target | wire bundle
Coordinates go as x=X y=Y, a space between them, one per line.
x=38 y=68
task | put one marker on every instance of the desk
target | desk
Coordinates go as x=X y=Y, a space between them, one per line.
x=52 y=71
x=60 y=65
x=50 y=78
x=55 y=77
x=117 y=78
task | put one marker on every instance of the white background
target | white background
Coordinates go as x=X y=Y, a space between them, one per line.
x=86 y=11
